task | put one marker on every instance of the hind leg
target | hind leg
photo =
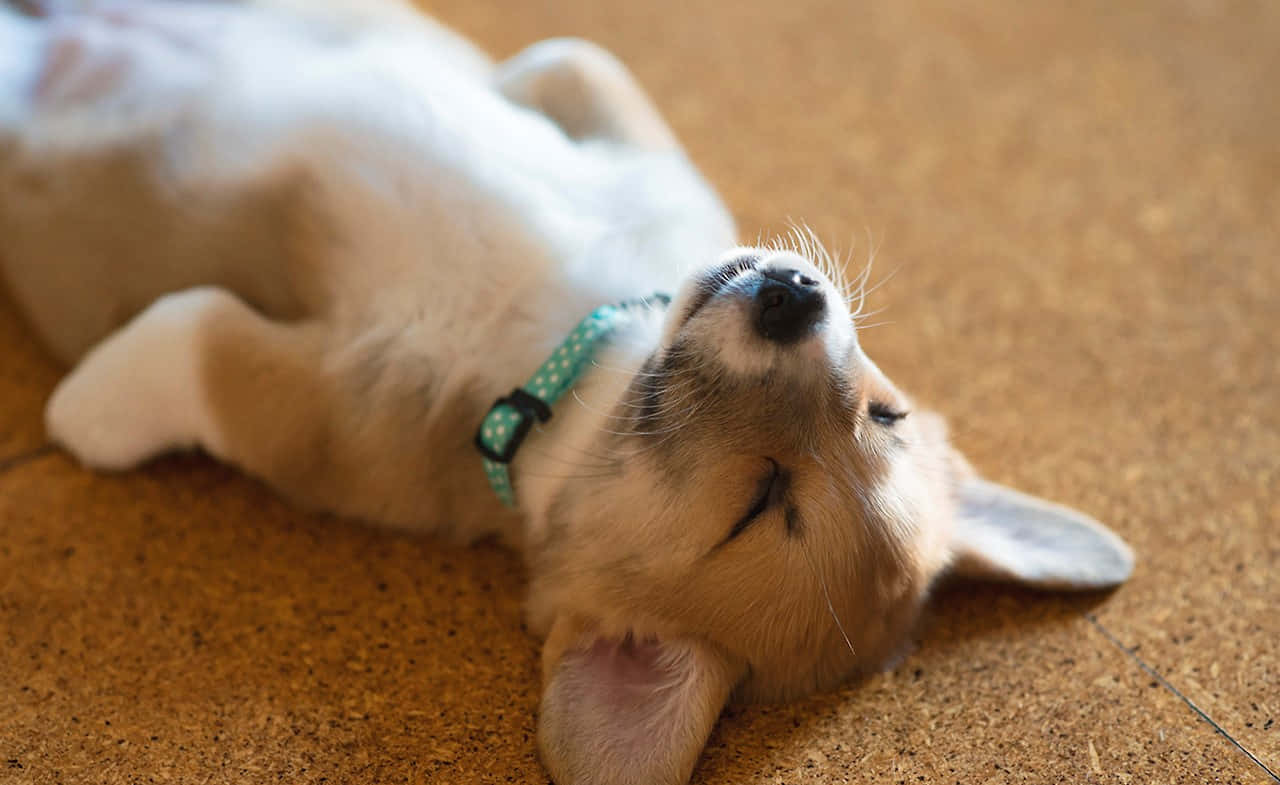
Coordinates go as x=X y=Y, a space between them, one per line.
x=587 y=92
x=149 y=387
x=137 y=394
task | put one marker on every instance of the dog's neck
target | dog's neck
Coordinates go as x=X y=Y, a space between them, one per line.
x=565 y=446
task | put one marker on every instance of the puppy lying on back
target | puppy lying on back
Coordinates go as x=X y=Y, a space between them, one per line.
x=321 y=244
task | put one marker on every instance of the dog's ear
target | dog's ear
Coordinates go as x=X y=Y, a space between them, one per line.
x=628 y=712
x=1001 y=534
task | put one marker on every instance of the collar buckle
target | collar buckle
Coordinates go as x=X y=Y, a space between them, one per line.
x=529 y=407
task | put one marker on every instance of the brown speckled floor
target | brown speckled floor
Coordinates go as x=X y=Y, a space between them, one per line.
x=1082 y=203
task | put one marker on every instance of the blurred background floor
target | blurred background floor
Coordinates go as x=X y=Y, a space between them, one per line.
x=1082 y=206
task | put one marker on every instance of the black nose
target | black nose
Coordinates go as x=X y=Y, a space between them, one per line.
x=788 y=304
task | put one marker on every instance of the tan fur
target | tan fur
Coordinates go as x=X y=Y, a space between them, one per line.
x=670 y=575
x=354 y=439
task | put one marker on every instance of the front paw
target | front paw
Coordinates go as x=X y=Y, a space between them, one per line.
x=95 y=417
x=138 y=393
x=85 y=428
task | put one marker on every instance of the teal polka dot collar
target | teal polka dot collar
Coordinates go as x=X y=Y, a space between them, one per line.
x=511 y=417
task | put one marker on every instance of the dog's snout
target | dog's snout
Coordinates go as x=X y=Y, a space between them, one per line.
x=788 y=304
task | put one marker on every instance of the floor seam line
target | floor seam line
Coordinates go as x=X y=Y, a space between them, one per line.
x=1178 y=693
x=15 y=461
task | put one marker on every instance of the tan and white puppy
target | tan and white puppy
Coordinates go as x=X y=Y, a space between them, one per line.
x=319 y=243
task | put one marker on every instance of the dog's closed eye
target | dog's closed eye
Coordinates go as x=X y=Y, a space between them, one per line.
x=884 y=414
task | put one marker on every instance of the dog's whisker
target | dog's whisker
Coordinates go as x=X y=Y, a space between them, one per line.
x=888 y=277
x=545 y=476
x=603 y=460
x=859 y=318
x=826 y=595
x=545 y=455
x=662 y=410
x=625 y=371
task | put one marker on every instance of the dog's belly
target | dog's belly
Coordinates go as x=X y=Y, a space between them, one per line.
x=360 y=177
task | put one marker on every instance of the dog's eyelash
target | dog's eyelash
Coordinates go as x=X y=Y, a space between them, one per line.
x=884 y=414
x=764 y=495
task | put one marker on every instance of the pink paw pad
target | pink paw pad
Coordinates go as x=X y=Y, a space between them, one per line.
x=83 y=59
x=122 y=49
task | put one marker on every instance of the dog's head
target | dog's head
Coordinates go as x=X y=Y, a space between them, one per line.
x=775 y=514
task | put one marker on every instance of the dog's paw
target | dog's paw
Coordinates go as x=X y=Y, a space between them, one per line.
x=106 y=412
x=586 y=91
x=137 y=394
x=94 y=430
x=21 y=41
x=558 y=76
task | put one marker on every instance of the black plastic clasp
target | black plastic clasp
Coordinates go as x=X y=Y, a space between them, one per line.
x=530 y=407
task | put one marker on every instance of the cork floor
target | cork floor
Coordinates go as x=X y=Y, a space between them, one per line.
x=1082 y=207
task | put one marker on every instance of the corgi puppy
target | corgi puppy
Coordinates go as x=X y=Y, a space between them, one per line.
x=319 y=243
